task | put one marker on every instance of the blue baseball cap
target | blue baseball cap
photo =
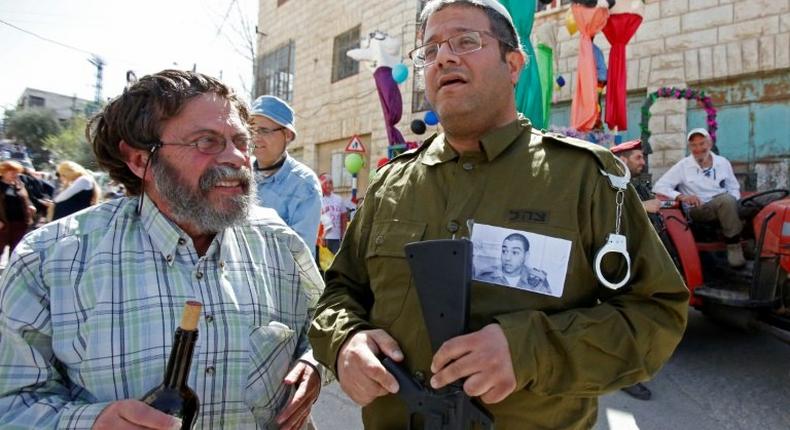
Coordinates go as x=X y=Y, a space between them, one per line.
x=276 y=110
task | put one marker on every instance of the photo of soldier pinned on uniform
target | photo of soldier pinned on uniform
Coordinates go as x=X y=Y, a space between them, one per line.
x=519 y=259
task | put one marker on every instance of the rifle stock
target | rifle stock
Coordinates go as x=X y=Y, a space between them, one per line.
x=442 y=272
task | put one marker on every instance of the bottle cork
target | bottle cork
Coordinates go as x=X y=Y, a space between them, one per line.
x=189 y=319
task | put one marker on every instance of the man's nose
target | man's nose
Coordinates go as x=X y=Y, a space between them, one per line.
x=445 y=54
x=233 y=156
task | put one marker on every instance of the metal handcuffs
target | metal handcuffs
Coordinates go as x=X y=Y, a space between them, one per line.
x=615 y=242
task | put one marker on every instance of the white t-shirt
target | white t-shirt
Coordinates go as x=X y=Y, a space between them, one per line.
x=332 y=207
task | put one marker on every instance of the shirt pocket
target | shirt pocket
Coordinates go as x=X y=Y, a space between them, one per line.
x=271 y=349
x=390 y=275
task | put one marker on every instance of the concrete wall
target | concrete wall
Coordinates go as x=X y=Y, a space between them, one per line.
x=328 y=113
x=680 y=43
x=691 y=43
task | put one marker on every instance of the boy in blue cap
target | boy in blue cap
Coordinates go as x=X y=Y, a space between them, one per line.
x=284 y=184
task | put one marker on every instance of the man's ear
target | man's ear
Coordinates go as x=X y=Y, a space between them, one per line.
x=135 y=159
x=516 y=60
x=289 y=136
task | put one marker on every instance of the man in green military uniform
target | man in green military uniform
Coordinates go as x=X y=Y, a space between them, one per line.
x=536 y=361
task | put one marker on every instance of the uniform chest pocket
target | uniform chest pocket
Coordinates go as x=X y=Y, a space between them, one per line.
x=271 y=349
x=390 y=276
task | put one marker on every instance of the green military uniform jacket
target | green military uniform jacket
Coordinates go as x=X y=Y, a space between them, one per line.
x=566 y=350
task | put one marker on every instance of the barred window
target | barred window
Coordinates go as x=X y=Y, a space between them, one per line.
x=277 y=72
x=344 y=66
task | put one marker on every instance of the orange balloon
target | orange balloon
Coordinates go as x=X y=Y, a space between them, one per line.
x=570 y=23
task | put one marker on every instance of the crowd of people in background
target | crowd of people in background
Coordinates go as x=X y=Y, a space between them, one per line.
x=32 y=198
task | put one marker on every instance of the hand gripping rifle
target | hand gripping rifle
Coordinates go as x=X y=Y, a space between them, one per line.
x=442 y=272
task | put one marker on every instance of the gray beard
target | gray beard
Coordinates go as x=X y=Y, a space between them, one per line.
x=193 y=207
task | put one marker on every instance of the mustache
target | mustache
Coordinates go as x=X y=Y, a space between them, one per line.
x=224 y=173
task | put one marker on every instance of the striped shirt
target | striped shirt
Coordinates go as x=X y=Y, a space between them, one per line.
x=89 y=305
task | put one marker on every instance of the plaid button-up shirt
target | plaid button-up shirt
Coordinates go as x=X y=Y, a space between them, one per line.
x=89 y=305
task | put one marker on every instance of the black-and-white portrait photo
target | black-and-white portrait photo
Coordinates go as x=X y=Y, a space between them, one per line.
x=520 y=259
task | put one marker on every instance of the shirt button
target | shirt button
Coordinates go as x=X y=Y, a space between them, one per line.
x=169 y=258
x=199 y=275
x=210 y=370
x=209 y=318
x=452 y=226
x=222 y=264
x=181 y=241
x=468 y=166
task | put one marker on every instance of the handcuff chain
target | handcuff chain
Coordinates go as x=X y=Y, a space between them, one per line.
x=619 y=199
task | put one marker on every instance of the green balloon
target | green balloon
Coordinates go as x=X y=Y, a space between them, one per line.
x=354 y=163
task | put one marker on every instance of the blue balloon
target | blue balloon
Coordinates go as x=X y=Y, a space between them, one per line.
x=400 y=72
x=431 y=118
x=560 y=81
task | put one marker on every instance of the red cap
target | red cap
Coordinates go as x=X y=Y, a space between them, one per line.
x=627 y=146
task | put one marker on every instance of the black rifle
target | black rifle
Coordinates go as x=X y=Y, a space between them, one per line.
x=442 y=272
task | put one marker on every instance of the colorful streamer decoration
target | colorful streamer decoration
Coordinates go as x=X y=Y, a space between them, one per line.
x=678 y=93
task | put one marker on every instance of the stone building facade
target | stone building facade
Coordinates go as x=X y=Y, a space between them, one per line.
x=736 y=50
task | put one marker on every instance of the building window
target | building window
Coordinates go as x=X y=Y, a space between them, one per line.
x=277 y=72
x=418 y=101
x=340 y=176
x=344 y=66
x=33 y=101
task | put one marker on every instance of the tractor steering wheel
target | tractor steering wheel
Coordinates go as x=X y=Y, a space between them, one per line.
x=763 y=199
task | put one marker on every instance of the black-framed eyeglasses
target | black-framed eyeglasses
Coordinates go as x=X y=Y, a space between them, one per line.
x=212 y=145
x=460 y=44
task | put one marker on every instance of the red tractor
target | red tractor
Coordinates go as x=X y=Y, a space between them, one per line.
x=756 y=295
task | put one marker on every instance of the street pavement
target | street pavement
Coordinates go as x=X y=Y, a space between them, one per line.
x=718 y=379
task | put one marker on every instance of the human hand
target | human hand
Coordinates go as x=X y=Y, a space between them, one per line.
x=359 y=370
x=652 y=206
x=483 y=357
x=308 y=385
x=689 y=199
x=134 y=415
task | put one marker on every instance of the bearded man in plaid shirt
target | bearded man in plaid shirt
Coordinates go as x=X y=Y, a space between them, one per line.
x=89 y=304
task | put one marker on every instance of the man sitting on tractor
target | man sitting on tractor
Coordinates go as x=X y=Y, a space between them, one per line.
x=705 y=185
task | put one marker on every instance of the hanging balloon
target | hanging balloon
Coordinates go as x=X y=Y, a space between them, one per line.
x=354 y=163
x=560 y=81
x=418 y=126
x=400 y=73
x=570 y=23
x=431 y=118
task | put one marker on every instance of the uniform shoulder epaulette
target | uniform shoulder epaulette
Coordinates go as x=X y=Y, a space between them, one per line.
x=602 y=155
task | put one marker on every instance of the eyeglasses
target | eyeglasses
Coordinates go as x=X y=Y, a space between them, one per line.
x=212 y=145
x=265 y=132
x=460 y=44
